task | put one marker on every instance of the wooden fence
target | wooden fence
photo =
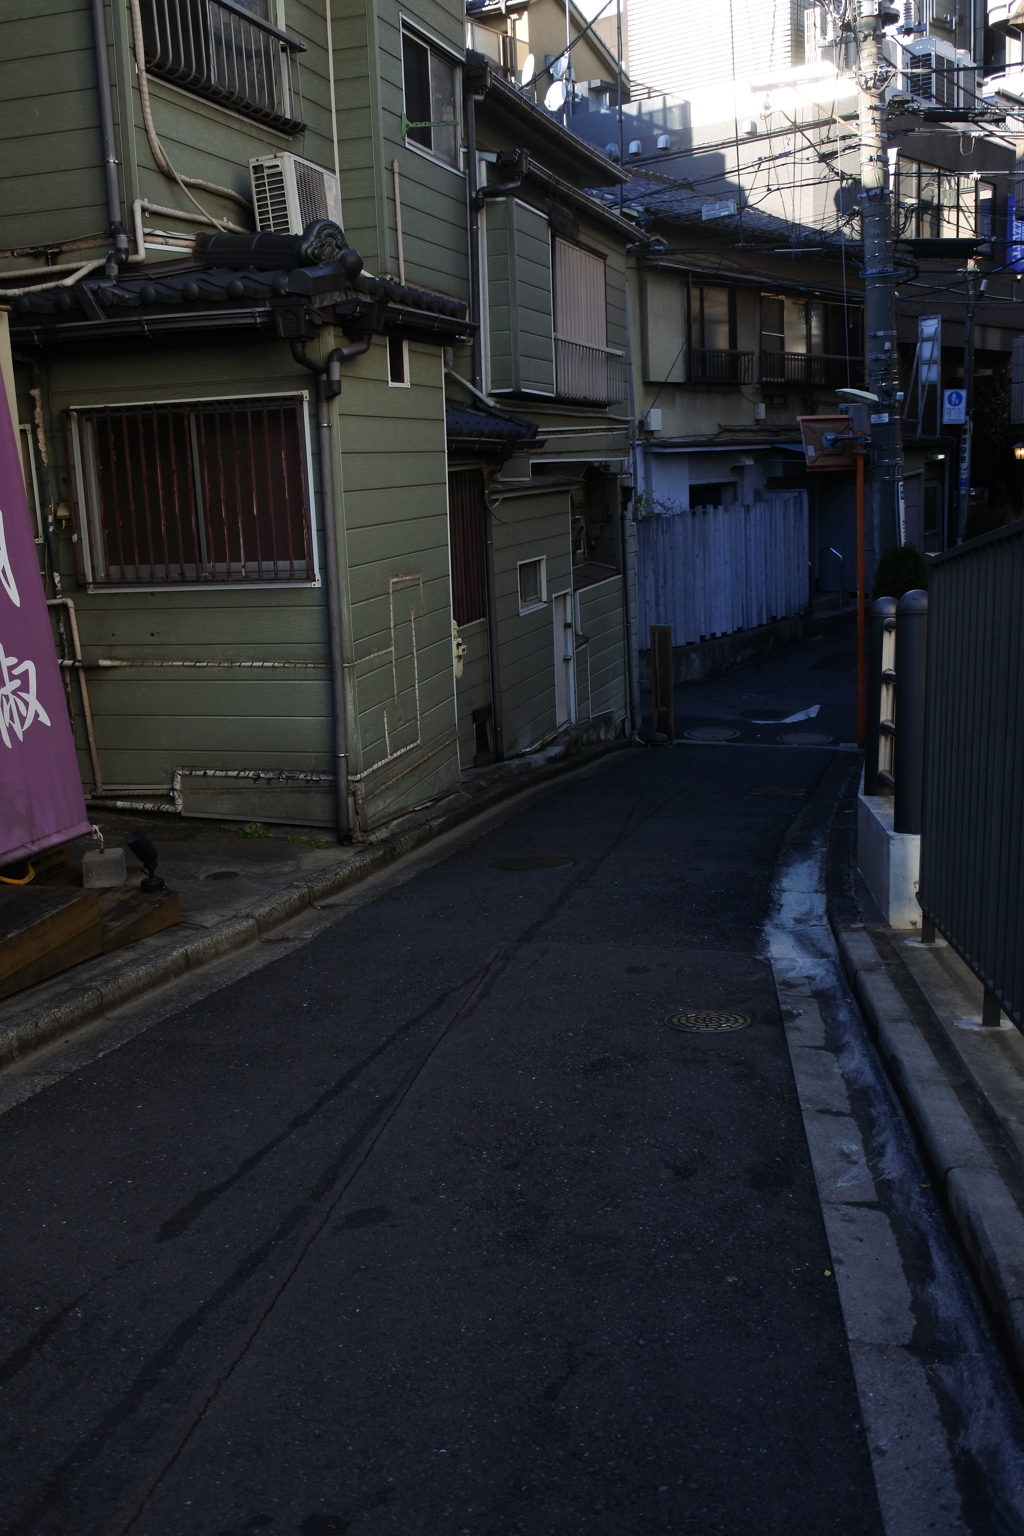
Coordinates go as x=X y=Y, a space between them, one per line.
x=715 y=570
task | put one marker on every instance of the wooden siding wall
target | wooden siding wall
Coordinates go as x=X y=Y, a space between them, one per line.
x=51 y=176
x=529 y=526
x=520 y=315
x=149 y=722
x=434 y=214
x=392 y=471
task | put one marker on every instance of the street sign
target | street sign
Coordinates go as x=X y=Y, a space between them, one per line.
x=954 y=407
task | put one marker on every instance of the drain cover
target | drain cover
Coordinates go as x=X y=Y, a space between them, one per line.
x=804 y=739
x=711 y=733
x=707 y=1021
x=533 y=861
x=222 y=874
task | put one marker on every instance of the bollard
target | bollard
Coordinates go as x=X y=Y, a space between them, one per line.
x=881 y=611
x=663 y=714
x=911 y=651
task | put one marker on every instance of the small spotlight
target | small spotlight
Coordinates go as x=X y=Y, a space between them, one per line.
x=148 y=857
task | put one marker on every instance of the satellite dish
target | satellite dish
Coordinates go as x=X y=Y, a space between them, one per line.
x=529 y=68
x=556 y=94
x=558 y=67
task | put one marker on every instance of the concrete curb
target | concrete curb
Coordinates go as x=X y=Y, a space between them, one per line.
x=176 y=952
x=984 y=1210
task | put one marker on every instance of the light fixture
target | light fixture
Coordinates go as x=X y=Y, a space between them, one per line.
x=146 y=854
x=1018 y=450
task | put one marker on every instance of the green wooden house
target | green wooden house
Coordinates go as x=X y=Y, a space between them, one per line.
x=240 y=423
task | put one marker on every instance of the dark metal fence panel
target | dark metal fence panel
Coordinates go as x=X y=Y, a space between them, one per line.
x=972 y=835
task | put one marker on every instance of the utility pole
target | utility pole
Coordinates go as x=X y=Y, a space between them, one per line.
x=964 y=465
x=873 y=74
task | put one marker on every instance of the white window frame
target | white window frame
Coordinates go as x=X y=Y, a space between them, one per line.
x=85 y=533
x=434 y=45
x=542 y=601
x=405 y=383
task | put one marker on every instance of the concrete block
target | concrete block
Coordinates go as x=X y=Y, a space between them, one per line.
x=889 y=861
x=103 y=868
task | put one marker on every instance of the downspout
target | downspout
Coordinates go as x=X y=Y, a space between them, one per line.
x=328 y=385
x=475 y=307
x=119 y=253
x=632 y=642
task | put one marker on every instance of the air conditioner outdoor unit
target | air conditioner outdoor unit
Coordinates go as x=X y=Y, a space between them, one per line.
x=930 y=68
x=288 y=193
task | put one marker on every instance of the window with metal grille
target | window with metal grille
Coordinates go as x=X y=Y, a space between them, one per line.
x=196 y=491
x=466 y=532
x=227 y=50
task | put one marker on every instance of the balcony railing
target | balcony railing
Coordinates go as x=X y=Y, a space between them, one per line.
x=223 y=50
x=820 y=370
x=594 y=374
x=714 y=366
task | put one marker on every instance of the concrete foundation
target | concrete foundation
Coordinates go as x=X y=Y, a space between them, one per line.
x=888 y=861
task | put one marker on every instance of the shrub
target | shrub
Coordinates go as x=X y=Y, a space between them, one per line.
x=900 y=569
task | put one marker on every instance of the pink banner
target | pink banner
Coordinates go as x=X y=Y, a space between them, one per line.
x=41 y=801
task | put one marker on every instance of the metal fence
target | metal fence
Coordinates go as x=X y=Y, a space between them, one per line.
x=595 y=374
x=972 y=833
x=718 y=569
x=817 y=369
x=711 y=365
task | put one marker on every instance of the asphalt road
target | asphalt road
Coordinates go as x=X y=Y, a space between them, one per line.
x=432 y=1224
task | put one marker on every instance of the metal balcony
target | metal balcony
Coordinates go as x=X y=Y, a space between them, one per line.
x=710 y=365
x=596 y=375
x=815 y=369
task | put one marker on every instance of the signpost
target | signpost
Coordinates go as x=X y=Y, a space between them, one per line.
x=834 y=443
x=41 y=800
x=954 y=407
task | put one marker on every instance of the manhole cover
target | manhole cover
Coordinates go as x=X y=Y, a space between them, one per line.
x=804 y=739
x=776 y=789
x=222 y=874
x=533 y=861
x=711 y=733
x=707 y=1021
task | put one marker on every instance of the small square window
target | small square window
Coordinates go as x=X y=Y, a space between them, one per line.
x=398 y=361
x=532 y=584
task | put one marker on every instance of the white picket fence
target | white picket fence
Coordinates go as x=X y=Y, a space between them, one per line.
x=718 y=569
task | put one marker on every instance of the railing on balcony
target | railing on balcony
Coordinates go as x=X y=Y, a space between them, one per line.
x=594 y=374
x=713 y=366
x=226 y=51
x=820 y=370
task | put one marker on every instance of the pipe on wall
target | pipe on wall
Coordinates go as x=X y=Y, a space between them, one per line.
x=156 y=148
x=119 y=253
x=328 y=386
x=477 y=389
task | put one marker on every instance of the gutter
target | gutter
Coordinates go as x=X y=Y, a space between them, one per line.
x=328 y=386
